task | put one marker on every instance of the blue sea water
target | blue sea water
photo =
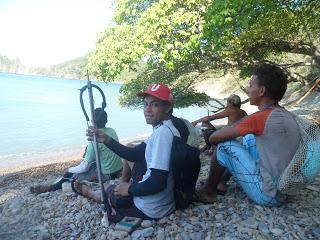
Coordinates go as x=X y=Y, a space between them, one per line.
x=41 y=117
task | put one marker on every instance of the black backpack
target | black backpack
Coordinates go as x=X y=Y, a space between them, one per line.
x=185 y=165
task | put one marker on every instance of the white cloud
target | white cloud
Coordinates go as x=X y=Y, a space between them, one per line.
x=46 y=32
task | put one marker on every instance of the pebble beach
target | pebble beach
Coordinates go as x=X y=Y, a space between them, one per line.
x=65 y=215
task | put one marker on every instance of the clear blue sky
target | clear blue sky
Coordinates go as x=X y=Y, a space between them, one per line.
x=46 y=32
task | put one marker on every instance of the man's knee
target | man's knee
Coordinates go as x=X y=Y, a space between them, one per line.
x=127 y=164
x=224 y=152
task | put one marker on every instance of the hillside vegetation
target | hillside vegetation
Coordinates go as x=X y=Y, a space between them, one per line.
x=74 y=68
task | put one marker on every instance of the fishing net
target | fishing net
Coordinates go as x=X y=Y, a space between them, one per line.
x=305 y=165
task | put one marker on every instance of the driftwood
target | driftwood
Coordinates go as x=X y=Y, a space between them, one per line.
x=312 y=89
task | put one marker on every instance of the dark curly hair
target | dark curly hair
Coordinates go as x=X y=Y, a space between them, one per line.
x=273 y=79
x=101 y=117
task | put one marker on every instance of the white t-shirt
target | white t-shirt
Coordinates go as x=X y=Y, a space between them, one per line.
x=157 y=155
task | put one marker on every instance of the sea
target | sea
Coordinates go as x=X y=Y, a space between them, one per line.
x=41 y=117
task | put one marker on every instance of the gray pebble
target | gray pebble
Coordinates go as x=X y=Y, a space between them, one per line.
x=146 y=223
x=276 y=231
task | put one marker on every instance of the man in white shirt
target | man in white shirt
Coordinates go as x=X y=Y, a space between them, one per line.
x=152 y=197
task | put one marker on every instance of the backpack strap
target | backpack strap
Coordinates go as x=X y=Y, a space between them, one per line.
x=169 y=129
x=180 y=125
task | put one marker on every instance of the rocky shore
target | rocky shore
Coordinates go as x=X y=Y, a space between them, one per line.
x=65 y=215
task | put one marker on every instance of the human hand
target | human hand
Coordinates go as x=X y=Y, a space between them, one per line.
x=100 y=135
x=122 y=189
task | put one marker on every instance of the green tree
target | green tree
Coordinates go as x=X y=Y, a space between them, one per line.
x=181 y=40
x=247 y=32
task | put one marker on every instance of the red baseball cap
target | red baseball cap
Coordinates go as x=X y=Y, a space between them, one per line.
x=160 y=91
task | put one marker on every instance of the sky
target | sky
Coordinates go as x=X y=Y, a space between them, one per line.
x=48 y=32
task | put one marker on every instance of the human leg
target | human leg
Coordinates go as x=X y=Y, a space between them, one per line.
x=126 y=171
x=206 y=138
x=120 y=206
x=249 y=143
x=86 y=191
x=241 y=162
x=208 y=193
x=206 y=135
x=222 y=185
x=37 y=189
x=132 y=170
x=58 y=185
x=91 y=175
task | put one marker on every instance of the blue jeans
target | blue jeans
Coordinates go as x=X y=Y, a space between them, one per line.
x=242 y=161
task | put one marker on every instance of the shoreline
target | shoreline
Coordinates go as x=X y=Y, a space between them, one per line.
x=53 y=76
x=59 y=158
x=308 y=108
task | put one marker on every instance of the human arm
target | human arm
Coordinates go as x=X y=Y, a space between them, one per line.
x=224 y=134
x=254 y=124
x=128 y=153
x=154 y=184
x=222 y=114
x=158 y=153
x=88 y=158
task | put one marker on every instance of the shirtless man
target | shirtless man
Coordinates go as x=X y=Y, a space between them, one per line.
x=232 y=112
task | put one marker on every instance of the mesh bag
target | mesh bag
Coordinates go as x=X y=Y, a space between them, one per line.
x=305 y=165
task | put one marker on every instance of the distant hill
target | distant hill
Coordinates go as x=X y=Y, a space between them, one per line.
x=69 y=69
x=10 y=65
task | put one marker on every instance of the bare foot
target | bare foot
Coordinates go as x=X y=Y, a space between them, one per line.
x=222 y=187
x=85 y=191
x=205 y=197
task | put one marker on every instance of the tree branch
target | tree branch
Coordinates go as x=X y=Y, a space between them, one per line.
x=281 y=46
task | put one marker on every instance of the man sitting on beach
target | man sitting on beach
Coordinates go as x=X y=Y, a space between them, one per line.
x=135 y=170
x=271 y=138
x=232 y=112
x=111 y=164
x=151 y=197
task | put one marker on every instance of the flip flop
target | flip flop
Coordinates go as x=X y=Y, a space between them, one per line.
x=197 y=197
